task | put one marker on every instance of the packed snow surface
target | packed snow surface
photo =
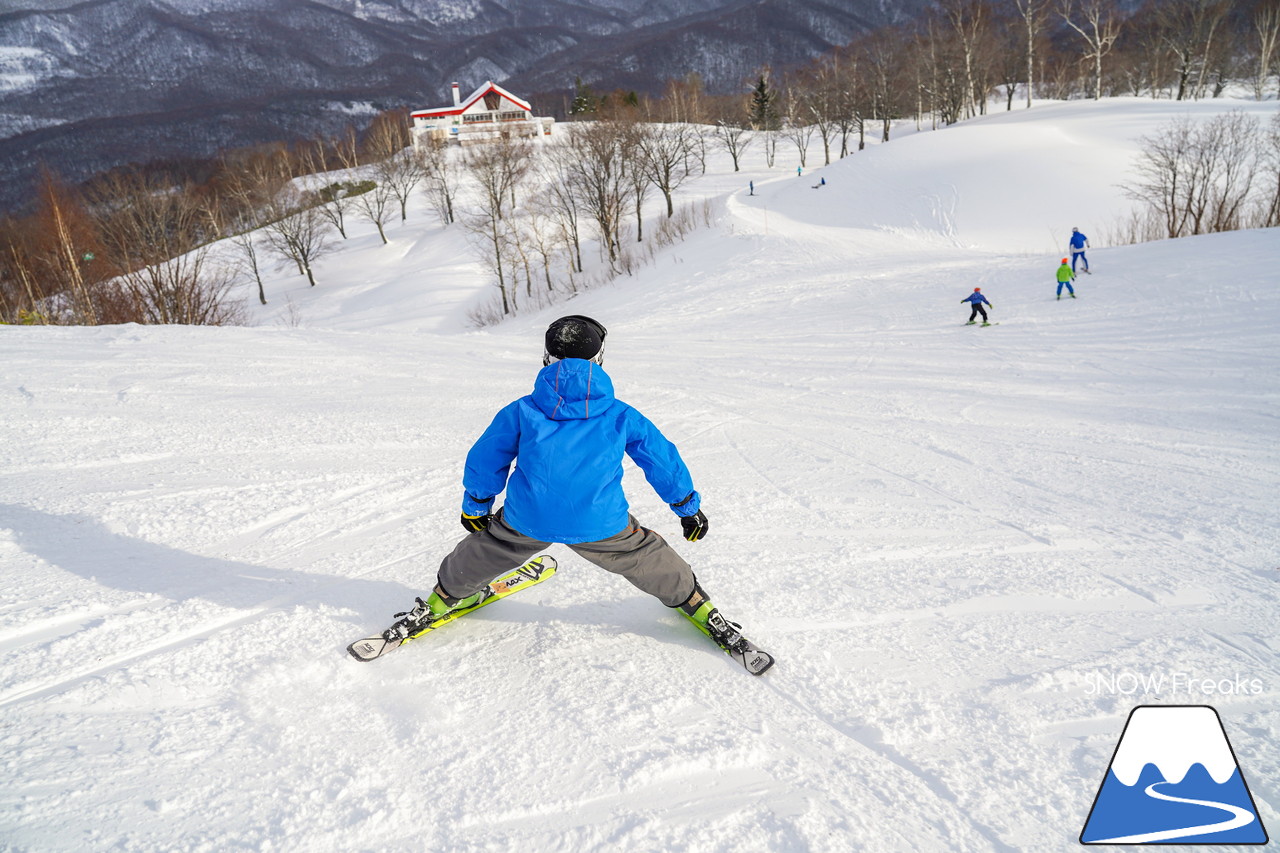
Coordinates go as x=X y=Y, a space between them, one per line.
x=972 y=550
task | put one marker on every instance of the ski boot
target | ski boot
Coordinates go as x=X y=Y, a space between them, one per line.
x=704 y=614
x=727 y=635
x=423 y=613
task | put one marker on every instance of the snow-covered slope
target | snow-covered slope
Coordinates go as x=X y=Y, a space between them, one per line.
x=964 y=545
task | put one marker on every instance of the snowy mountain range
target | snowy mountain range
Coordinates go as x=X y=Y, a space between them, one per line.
x=85 y=86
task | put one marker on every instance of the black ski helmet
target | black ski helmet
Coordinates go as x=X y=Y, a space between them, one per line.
x=575 y=336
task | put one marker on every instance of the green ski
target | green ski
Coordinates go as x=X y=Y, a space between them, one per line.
x=402 y=631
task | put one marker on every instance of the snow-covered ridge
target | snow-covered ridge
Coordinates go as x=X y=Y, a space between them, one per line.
x=1173 y=739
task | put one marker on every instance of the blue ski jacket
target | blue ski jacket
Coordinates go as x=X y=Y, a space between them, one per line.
x=1077 y=241
x=567 y=440
x=976 y=298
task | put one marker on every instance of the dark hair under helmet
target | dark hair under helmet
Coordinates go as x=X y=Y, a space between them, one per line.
x=575 y=336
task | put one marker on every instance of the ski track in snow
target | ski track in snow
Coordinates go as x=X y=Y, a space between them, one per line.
x=946 y=535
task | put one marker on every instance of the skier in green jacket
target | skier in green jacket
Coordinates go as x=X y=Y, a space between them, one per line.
x=1065 y=277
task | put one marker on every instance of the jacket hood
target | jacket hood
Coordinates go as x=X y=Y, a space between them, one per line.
x=572 y=389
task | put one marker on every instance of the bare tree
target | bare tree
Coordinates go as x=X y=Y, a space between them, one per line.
x=375 y=204
x=441 y=177
x=1190 y=29
x=492 y=237
x=338 y=198
x=1032 y=14
x=1145 y=59
x=1098 y=23
x=396 y=165
x=734 y=139
x=1197 y=178
x=1266 y=29
x=797 y=126
x=250 y=185
x=557 y=174
x=879 y=55
x=496 y=167
x=543 y=234
x=1008 y=59
x=636 y=176
x=62 y=255
x=1230 y=143
x=970 y=21
x=685 y=100
x=663 y=155
x=850 y=117
x=153 y=230
x=1270 y=166
x=598 y=176
x=823 y=101
x=298 y=231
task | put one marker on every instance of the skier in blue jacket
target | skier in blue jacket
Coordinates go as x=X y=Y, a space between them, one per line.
x=1079 y=243
x=567 y=440
x=977 y=300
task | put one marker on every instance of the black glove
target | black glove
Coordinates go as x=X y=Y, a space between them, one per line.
x=695 y=526
x=476 y=523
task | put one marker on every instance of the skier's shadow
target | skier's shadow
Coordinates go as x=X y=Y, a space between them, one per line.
x=83 y=546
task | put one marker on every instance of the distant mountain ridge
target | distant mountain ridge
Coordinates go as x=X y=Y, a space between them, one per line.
x=88 y=85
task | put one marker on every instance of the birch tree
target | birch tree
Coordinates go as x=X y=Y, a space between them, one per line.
x=1097 y=22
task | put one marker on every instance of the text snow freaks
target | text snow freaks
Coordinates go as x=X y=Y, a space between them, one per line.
x=1170 y=683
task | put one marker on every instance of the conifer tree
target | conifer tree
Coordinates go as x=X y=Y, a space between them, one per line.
x=762 y=111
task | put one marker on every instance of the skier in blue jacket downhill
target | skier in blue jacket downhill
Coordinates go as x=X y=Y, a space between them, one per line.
x=567 y=440
x=977 y=300
x=1079 y=243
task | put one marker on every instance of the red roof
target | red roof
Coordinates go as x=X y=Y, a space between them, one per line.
x=488 y=87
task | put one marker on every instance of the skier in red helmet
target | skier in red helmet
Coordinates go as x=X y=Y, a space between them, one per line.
x=977 y=300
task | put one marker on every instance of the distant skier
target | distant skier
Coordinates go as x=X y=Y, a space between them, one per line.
x=752 y=185
x=567 y=440
x=977 y=300
x=799 y=171
x=820 y=184
x=1079 y=243
x=1065 y=277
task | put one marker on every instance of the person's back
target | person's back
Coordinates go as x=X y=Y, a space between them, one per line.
x=1078 y=244
x=1065 y=277
x=570 y=437
x=566 y=440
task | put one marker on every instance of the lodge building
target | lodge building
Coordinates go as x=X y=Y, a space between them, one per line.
x=487 y=113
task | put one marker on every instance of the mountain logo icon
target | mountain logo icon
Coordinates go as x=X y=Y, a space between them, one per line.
x=1173 y=779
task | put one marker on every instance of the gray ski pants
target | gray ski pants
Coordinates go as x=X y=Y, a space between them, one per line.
x=638 y=554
